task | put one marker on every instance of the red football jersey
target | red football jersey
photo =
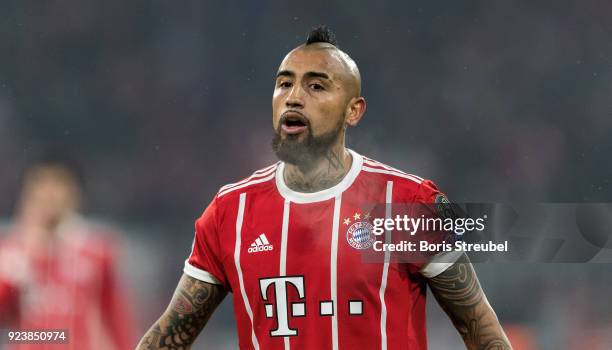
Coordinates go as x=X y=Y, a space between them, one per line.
x=70 y=285
x=294 y=264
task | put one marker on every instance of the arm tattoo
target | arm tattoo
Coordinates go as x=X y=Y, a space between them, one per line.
x=458 y=292
x=192 y=305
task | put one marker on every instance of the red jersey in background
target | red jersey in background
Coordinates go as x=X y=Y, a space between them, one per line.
x=71 y=285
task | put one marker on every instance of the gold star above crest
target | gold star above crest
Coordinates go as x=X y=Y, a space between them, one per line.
x=356 y=216
x=347 y=222
x=367 y=216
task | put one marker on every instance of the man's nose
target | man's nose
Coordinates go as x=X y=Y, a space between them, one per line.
x=295 y=98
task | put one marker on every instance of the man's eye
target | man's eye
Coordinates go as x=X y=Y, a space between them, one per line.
x=284 y=84
x=316 y=86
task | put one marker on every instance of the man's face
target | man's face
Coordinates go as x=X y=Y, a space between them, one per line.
x=49 y=195
x=309 y=104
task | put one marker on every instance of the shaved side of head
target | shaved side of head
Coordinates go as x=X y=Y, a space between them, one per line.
x=322 y=38
x=350 y=75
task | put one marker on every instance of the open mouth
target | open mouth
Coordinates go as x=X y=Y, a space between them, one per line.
x=293 y=123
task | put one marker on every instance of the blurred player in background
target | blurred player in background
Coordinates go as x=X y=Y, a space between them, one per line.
x=57 y=270
x=287 y=241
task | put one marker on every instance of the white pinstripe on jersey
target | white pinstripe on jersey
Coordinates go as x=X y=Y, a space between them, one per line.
x=391 y=172
x=376 y=164
x=259 y=173
x=252 y=182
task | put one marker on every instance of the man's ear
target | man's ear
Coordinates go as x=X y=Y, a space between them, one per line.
x=355 y=110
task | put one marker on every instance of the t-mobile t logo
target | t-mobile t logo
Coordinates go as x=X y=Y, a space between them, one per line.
x=298 y=309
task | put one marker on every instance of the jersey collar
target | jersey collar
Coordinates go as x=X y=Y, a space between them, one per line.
x=303 y=197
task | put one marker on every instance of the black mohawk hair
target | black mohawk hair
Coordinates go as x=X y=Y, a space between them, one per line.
x=321 y=34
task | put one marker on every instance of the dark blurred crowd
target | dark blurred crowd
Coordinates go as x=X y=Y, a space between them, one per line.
x=163 y=102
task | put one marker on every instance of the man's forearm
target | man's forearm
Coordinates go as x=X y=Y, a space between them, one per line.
x=459 y=293
x=192 y=305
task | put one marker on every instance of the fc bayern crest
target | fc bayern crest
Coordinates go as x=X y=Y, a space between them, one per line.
x=359 y=235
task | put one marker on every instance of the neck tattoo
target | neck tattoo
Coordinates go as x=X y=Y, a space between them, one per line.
x=327 y=173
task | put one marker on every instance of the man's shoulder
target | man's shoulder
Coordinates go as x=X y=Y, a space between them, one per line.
x=259 y=178
x=407 y=185
x=388 y=172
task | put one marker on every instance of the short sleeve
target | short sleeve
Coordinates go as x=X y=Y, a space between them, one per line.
x=428 y=193
x=203 y=262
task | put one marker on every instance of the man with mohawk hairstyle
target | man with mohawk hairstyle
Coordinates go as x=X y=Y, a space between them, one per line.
x=288 y=240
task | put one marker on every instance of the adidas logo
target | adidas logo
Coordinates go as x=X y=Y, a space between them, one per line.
x=261 y=244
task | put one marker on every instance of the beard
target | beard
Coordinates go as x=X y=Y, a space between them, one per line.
x=304 y=153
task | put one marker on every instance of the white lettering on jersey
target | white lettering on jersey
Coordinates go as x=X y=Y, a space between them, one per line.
x=260 y=244
x=280 y=294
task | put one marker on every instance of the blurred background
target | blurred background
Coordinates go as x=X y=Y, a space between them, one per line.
x=164 y=102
